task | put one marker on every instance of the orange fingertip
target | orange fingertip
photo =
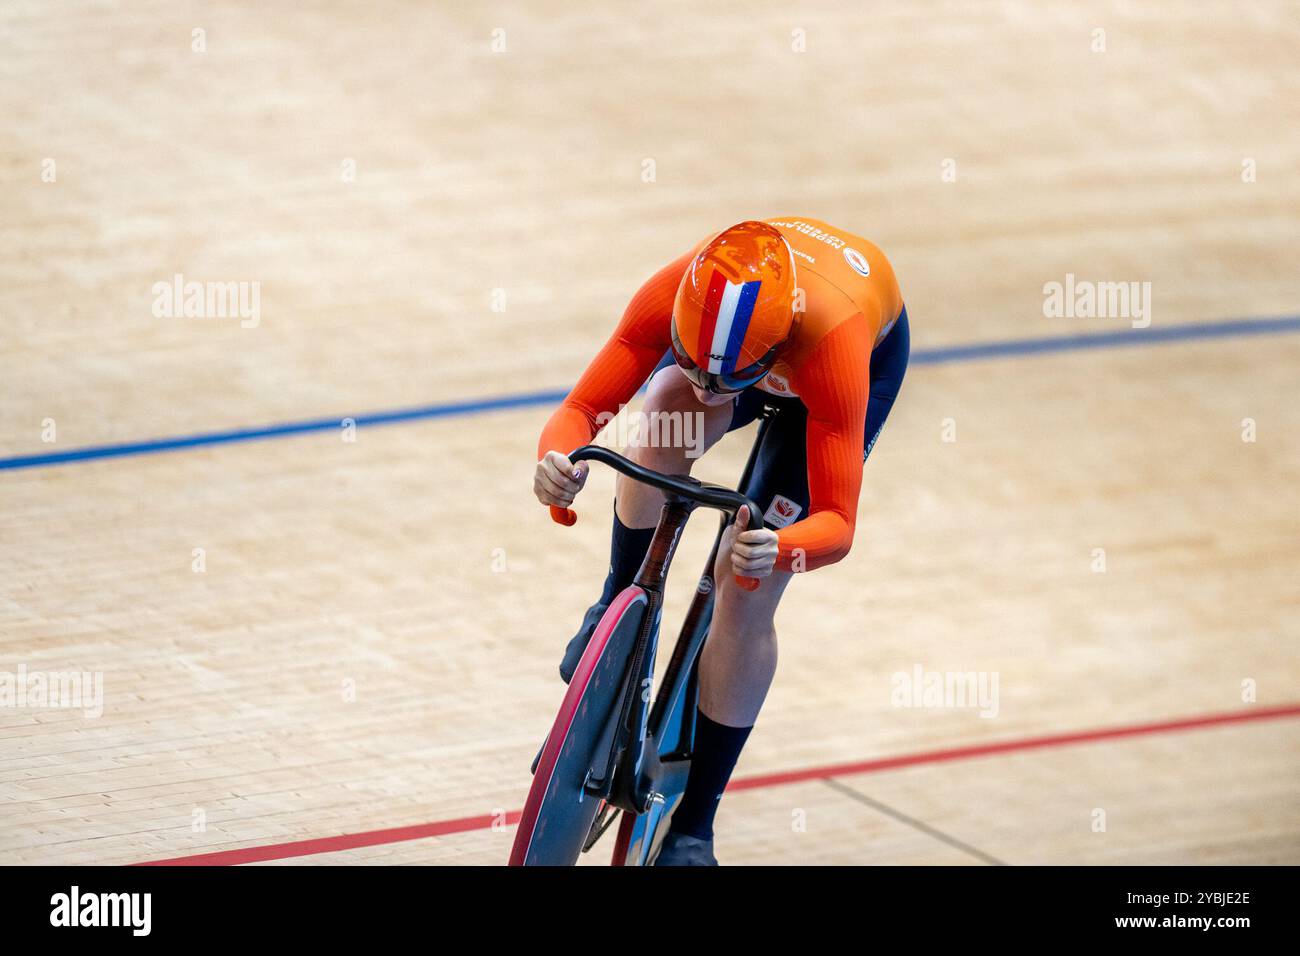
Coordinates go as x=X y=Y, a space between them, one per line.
x=746 y=584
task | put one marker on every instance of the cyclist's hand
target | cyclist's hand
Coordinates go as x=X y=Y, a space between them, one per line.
x=753 y=553
x=557 y=480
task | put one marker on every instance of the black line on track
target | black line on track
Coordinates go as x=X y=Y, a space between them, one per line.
x=860 y=797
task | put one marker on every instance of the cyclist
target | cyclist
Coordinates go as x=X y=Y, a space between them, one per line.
x=790 y=312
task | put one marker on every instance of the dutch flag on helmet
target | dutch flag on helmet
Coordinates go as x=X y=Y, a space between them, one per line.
x=728 y=307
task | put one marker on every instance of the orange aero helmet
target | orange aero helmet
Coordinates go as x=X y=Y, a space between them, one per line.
x=734 y=308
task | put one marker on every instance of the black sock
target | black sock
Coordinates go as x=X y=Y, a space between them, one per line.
x=627 y=548
x=714 y=755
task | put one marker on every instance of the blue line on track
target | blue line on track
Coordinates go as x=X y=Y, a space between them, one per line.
x=1106 y=340
x=940 y=356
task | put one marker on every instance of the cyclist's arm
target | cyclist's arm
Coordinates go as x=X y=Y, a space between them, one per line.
x=621 y=366
x=833 y=384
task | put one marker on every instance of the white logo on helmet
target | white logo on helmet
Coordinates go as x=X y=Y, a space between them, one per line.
x=857 y=261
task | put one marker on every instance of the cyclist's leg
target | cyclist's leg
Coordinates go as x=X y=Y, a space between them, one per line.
x=739 y=658
x=736 y=670
x=680 y=429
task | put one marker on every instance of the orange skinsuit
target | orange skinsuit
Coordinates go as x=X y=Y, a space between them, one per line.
x=824 y=363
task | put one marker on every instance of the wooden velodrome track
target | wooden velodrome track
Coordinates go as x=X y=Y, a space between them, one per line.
x=372 y=646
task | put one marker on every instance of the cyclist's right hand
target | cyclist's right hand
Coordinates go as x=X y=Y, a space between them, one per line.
x=557 y=480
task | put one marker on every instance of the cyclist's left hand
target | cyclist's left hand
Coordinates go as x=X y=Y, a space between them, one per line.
x=753 y=553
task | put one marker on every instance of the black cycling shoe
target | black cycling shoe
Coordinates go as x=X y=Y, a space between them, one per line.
x=679 y=849
x=573 y=653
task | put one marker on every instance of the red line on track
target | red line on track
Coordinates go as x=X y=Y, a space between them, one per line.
x=1006 y=746
x=344 y=841
x=351 y=841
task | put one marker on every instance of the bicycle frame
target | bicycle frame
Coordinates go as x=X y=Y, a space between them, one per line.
x=662 y=763
x=626 y=751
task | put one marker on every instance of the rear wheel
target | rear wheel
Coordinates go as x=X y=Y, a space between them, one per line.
x=558 y=813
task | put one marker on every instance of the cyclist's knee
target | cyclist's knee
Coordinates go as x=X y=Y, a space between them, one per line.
x=667 y=391
x=674 y=428
x=667 y=456
x=742 y=620
x=751 y=612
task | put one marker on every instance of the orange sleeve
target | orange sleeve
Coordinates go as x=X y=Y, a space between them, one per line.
x=621 y=366
x=833 y=383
